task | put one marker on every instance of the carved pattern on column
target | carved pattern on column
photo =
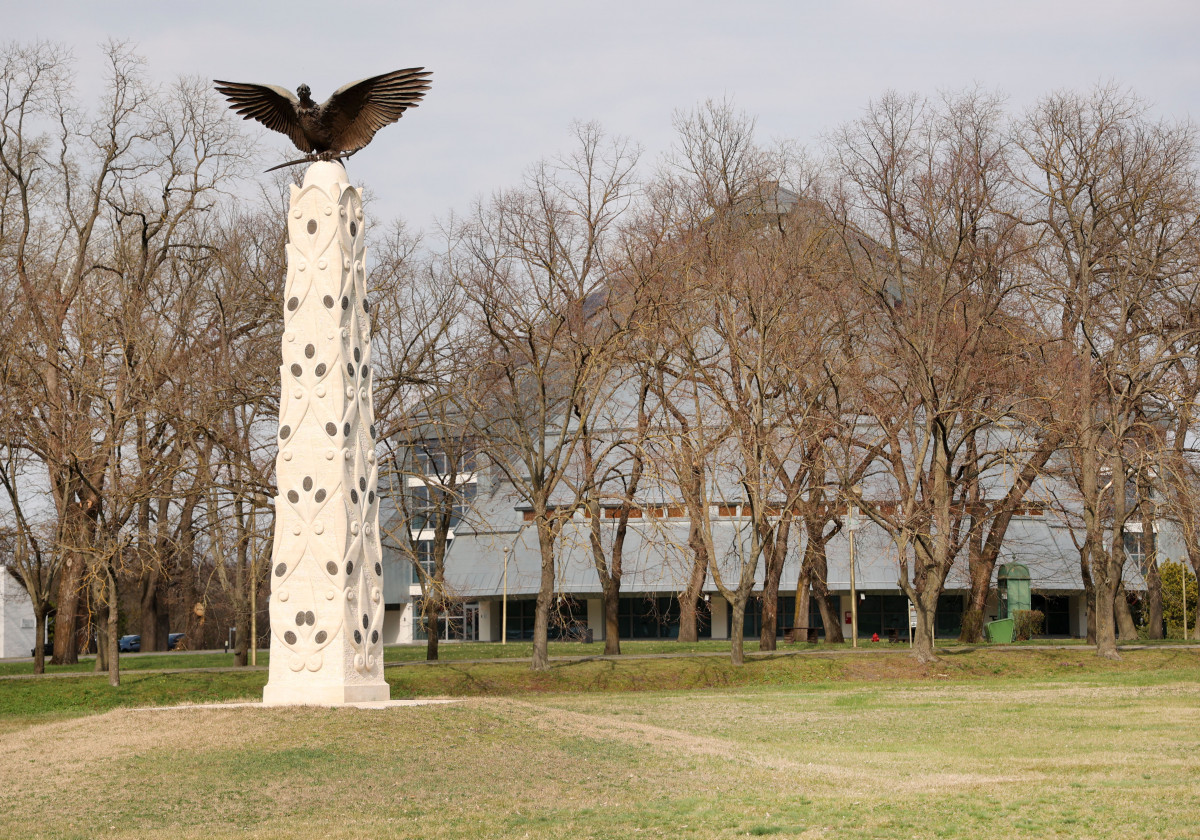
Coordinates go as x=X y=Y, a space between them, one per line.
x=327 y=586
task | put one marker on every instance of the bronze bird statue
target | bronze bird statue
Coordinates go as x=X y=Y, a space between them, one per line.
x=340 y=126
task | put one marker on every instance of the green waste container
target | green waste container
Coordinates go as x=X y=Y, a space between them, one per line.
x=1001 y=631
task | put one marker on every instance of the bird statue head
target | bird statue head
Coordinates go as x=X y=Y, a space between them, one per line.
x=305 y=93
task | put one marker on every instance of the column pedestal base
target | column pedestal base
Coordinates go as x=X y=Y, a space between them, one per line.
x=329 y=695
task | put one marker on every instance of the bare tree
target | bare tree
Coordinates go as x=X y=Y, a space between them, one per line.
x=534 y=263
x=1112 y=196
x=928 y=249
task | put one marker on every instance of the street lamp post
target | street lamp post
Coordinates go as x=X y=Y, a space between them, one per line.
x=504 y=608
x=851 y=526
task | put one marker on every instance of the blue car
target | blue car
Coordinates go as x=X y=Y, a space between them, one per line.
x=129 y=644
x=173 y=640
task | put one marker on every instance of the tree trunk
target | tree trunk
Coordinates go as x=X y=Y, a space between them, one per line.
x=831 y=618
x=114 y=647
x=100 y=623
x=925 y=604
x=828 y=604
x=800 y=617
x=1089 y=592
x=66 y=620
x=1126 y=629
x=1106 y=631
x=241 y=624
x=737 y=629
x=431 y=615
x=981 y=585
x=541 y=616
x=39 y=638
x=1154 y=617
x=769 y=631
x=688 y=601
x=148 y=602
x=612 y=627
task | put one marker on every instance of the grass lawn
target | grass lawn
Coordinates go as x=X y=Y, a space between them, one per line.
x=1032 y=743
x=449 y=652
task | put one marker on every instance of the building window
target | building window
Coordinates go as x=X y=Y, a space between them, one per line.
x=424 y=565
x=1137 y=545
x=460 y=622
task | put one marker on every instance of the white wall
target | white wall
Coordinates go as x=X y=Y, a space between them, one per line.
x=16 y=618
x=489 y=621
x=720 y=617
x=595 y=618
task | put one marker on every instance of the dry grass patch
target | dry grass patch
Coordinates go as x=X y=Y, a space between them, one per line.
x=1113 y=758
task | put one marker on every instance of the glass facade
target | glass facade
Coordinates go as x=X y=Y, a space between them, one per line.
x=784 y=616
x=883 y=613
x=568 y=619
x=460 y=622
x=424 y=550
x=1057 y=610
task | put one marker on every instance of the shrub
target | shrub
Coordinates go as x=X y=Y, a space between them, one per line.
x=1028 y=623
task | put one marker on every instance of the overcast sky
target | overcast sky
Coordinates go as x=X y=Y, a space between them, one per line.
x=510 y=77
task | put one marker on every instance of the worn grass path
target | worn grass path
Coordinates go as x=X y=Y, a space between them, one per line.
x=1046 y=744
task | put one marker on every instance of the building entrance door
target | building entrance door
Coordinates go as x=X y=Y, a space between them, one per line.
x=471 y=623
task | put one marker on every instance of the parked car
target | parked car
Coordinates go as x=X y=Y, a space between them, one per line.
x=129 y=644
x=47 y=649
x=173 y=640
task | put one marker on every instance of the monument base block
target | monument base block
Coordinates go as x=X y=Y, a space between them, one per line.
x=326 y=695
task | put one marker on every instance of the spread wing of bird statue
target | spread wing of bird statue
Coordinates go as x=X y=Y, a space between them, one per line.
x=340 y=126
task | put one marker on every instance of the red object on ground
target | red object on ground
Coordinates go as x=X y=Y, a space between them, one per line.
x=874 y=637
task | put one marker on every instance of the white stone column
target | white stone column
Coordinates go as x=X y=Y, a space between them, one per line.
x=326 y=569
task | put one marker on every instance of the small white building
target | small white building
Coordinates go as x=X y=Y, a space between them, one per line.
x=16 y=618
